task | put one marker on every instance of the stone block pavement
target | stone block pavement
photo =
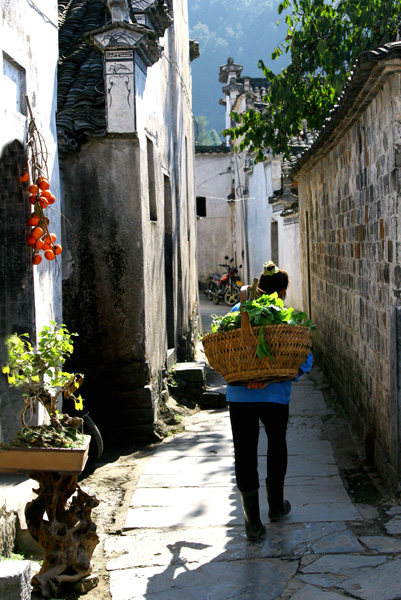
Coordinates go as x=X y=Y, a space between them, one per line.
x=184 y=532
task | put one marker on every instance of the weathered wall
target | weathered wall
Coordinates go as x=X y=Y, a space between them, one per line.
x=349 y=201
x=174 y=136
x=28 y=298
x=130 y=284
x=104 y=281
x=213 y=180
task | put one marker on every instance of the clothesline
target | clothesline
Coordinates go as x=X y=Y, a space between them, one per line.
x=234 y=200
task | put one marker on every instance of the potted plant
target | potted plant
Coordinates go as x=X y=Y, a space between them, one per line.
x=58 y=444
x=53 y=454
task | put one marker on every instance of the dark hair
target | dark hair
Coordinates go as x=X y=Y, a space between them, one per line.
x=273 y=283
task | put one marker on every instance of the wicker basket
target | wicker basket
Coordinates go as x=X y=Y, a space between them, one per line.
x=232 y=354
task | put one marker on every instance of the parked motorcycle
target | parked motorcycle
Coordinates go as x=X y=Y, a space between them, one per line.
x=225 y=287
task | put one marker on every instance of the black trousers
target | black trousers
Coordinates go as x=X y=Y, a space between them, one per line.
x=244 y=417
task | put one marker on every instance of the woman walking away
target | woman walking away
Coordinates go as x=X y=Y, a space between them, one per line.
x=270 y=404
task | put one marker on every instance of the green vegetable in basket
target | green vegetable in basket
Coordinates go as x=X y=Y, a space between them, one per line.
x=268 y=309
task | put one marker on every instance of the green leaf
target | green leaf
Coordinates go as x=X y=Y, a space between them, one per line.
x=324 y=39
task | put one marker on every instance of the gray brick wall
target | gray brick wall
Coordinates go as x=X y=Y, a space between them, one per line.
x=349 y=203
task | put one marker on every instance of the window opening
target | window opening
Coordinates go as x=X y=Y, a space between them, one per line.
x=151 y=181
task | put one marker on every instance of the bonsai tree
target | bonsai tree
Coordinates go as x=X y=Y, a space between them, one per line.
x=39 y=373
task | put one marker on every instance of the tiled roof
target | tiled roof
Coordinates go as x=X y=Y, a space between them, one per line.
x=81 y=104
x=222 y=149
x=81 y=108
x=363 y=68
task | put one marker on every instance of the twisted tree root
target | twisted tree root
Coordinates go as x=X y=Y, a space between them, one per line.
x=67 y=535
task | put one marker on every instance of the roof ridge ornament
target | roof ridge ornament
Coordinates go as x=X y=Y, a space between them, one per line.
x=119 y=11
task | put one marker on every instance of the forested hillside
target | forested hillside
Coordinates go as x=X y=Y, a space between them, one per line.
x=247 y=30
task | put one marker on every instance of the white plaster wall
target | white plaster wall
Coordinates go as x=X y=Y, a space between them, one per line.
x=240 y=215
x=258 y=214
x=31 y=39
x=289 y=259
x=259 y=219
x=29 y=36
x=213 y=180
x=164 y=115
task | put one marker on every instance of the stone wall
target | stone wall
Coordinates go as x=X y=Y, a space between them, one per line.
x=349 y=201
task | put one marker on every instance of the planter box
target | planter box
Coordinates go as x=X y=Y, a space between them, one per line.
x=30 y=460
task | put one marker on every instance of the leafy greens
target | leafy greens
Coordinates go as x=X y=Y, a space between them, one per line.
x=269 y=309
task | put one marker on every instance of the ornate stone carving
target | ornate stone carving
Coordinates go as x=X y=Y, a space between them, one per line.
x=120 y=90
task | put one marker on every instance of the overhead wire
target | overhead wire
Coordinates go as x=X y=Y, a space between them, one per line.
x=42 y=14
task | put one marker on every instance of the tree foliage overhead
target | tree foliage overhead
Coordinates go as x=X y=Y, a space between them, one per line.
x=324 y=39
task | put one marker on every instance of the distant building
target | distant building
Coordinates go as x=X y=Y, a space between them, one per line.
x=213 y=182
x=257 y=205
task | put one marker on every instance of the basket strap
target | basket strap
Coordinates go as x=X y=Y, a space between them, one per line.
x=246 y=331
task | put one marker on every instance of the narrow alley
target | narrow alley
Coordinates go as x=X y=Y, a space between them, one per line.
x=150 y=150
x=184 y=536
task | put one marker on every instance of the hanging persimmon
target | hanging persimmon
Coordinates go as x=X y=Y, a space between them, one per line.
x=46 y=194
x=33 y=221
x=49 y=254
x=43 y=183
x=37 y=232
x=33 y=189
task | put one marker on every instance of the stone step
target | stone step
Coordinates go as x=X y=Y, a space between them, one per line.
x=15 y=580
x=191 y=372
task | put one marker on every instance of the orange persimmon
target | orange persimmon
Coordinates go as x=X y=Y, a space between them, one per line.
x=50 y=239
x=37 y=232
x=46 y=194
x=43 y=183
x=49 y=254
x=33 y=221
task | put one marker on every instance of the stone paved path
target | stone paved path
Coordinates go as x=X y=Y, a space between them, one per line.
x=184 y=533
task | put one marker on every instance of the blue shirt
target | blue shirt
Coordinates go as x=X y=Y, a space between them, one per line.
x=274 y=392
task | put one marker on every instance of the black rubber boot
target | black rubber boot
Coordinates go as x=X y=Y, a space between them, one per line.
x=254 y=528
x=278 y=507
